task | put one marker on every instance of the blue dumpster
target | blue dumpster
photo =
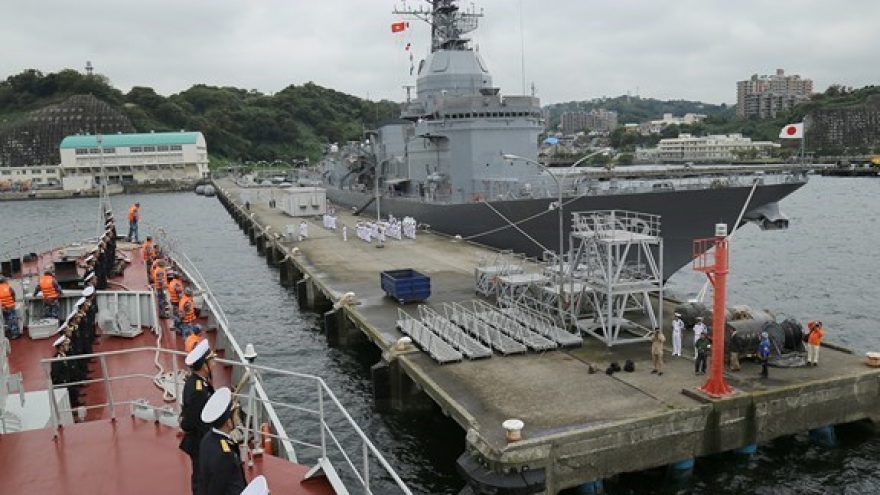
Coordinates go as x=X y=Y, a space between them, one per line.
x=405 y=285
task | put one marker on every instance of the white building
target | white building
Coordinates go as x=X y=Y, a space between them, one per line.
x=655 y=126
x=136 y=158
x=304 y=201
x=710 y=149
x=28 y=178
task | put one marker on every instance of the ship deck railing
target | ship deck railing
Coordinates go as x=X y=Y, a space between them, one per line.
x=322 y=422
x=601 y=182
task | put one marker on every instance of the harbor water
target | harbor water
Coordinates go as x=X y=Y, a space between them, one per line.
x=821 y=268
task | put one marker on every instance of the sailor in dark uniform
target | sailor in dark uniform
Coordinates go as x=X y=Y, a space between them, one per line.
x=196 y=392
x=62 y=372
x=219 y=460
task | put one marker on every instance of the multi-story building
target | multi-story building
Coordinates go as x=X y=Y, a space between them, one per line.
x=765 y=96
x=134 y=158
x=710 y=149
x=655 y=126
x=595 y=120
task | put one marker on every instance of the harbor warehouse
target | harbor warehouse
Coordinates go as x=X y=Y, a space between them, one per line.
x=136 y=158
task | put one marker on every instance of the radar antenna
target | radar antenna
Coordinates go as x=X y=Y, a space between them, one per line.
x=448 y=23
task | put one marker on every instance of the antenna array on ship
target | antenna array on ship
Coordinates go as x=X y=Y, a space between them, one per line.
x=448 y=23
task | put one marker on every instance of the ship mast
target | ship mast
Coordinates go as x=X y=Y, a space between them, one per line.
x=448 y=23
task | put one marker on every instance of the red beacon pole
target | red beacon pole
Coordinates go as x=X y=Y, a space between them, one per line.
x=716 y=269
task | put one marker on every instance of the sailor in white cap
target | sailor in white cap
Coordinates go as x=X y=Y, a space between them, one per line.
x=257 y=486
x=699 y=329
x=63 y=372
x=219 y=459
x=196 y=391
x=677 y=328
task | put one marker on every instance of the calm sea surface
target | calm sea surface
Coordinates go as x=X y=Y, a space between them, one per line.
x=824 y=267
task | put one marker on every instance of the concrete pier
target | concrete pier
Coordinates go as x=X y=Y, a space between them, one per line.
x=578 y=426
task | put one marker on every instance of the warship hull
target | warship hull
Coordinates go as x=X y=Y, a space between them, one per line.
x=529 y=226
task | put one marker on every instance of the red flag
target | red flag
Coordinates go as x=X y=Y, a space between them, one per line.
x=397 y=27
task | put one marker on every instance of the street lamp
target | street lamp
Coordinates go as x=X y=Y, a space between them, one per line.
x=559 y=213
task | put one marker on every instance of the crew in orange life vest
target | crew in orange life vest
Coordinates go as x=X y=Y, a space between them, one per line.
x=134 y=215
x=175 y=292
x=187 y=310
x=48 y=285
x=148 y=250
x=814 y=342
x=160 y=282
x=194 y=338
x=7 y=303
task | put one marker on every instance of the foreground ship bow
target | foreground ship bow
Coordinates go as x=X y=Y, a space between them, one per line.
x=104 y=419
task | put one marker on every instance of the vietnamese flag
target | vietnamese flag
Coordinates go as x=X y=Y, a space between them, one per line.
x=397 y=27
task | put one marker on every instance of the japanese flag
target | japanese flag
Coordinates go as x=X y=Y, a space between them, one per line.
x=792 y=131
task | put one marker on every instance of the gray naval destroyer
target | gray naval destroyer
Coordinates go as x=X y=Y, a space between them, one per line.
x=443 y=163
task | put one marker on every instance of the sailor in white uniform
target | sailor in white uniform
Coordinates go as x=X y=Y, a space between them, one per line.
x=699 y=329
x=677 y=329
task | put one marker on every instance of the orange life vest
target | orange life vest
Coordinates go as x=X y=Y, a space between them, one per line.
x=132 y=213
x=816 y=335
x=7 y=300
x=175 y=290
x=148 y=251
x=192 y=341
x=47 y=286
x=187 y=309
x=159 y=279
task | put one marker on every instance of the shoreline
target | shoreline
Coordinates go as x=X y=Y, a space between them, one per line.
x=114 y=190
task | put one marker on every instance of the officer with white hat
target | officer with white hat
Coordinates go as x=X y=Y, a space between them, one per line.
x=197 y=390
x=257 y=486
x=677 y=329
x=63 y=372
x=219 y=460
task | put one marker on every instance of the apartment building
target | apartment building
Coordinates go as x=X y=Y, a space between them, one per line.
x=765 y=96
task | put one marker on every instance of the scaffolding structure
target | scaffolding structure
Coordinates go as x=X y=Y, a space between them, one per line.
x=490 y=267
x=617 y=257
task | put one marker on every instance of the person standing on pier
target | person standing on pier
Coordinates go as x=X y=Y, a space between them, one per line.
x=814 y=341
x=677 y=329
x=699 y=329
x=764 y=353
x=134 y=216
x=702 y=353
x=657 y=341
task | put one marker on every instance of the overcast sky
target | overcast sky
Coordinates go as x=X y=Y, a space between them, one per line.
x=570 y=49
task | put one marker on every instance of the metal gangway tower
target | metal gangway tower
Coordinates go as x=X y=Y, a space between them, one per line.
x=619 y=258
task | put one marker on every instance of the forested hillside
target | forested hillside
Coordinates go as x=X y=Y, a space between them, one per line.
x=292 y=124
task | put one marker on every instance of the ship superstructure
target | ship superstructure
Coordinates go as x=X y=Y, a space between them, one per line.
x=446 y=162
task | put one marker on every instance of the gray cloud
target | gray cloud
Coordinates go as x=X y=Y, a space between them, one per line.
x=572 y=50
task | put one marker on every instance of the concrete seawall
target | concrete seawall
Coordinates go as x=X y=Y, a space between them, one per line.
x=579 y=426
